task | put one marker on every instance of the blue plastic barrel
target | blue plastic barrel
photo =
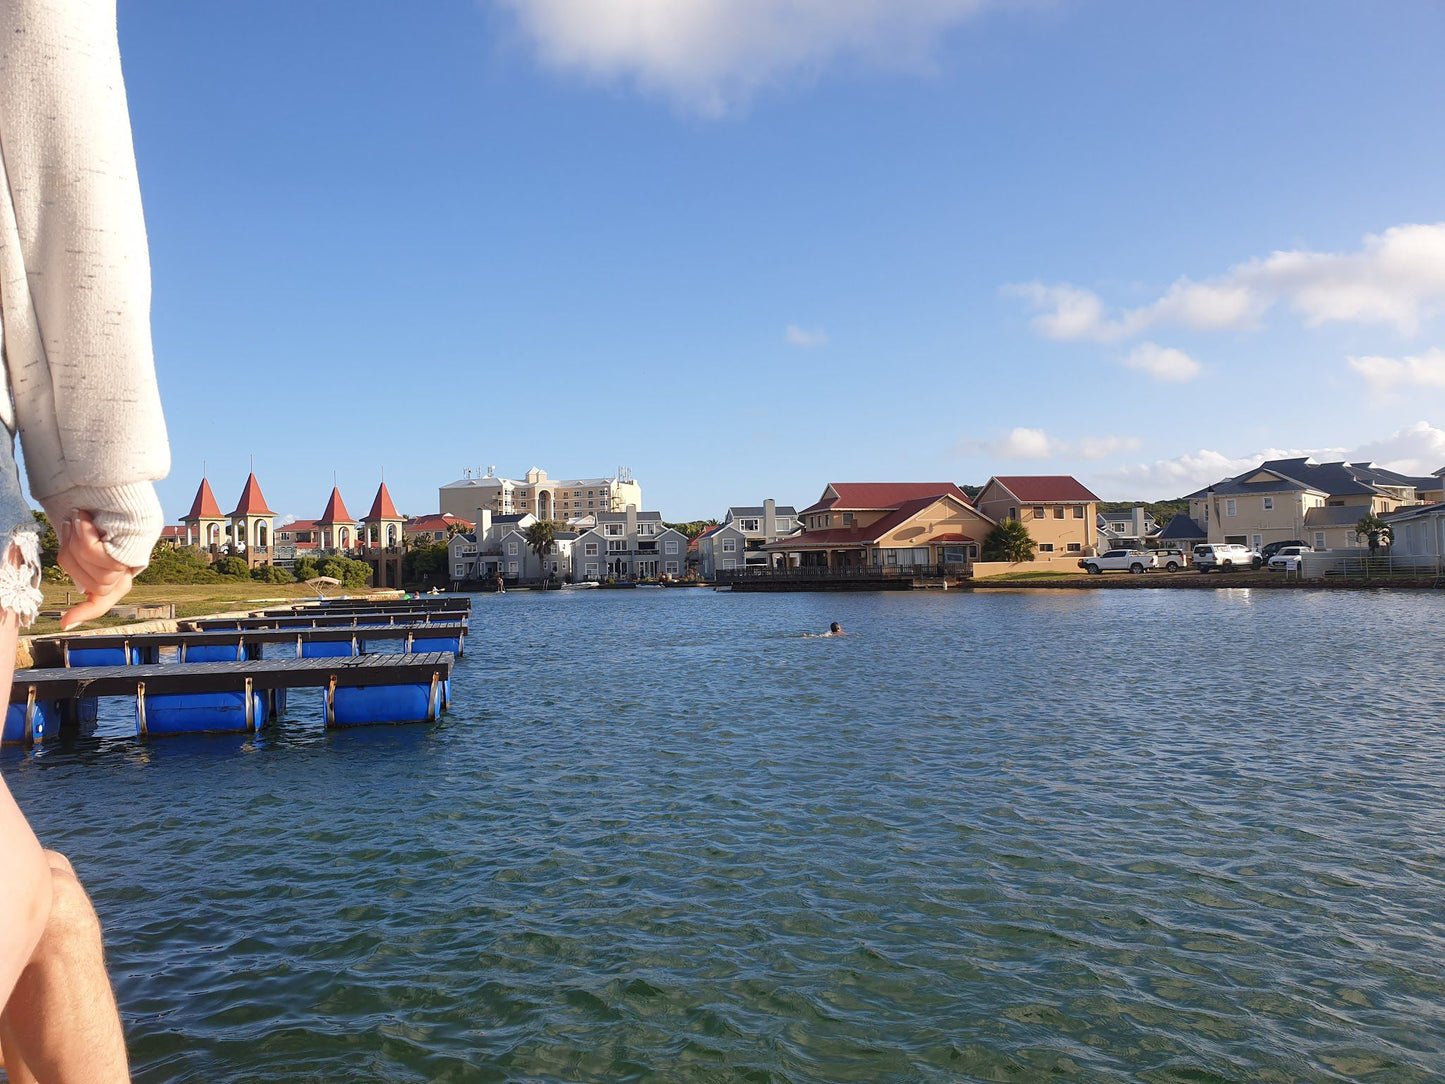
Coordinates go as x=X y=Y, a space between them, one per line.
x=361 y=705
x=452 y=644
x=195 y=713
x=46 y=721
x=211 y=652
x=103 y=656
x=326 y=649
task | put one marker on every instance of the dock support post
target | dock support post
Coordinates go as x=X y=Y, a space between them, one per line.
x=331 y=702
x=433 y=700
x=30 y=714
x=140 y=708
x=250 y=709
x=408 y=643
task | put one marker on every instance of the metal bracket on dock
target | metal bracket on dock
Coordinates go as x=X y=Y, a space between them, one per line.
x=140 y=708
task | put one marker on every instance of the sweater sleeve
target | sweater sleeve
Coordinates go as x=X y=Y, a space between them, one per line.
x=75 y=274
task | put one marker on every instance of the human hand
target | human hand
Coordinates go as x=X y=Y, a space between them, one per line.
x=104 y=580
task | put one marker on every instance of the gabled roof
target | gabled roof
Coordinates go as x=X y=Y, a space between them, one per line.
x=1181 y=528
x=1038 y=488
x=1334 y=515
x=621 y=517
x=880 y=496
x=335 y=509
x=205 y=504
x=381 y=506
x=859 y=536
x=438 y=521
x=297 y=525
x=1411 y=511
x=252 y=502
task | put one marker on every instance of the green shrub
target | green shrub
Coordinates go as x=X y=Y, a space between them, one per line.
x=350 y=573
x=271 y=574
x=305 y=568
x=177 y=566
x=232 y=566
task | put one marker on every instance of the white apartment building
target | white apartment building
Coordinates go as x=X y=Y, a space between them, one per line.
x=536 y=494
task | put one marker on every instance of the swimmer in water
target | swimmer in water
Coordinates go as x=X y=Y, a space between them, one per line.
x=834 y=629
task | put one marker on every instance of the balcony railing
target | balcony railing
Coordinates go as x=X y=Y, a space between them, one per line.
x=847 y=572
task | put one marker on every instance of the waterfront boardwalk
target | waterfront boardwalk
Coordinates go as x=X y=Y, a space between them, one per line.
x=55 y=651
x=293 y=620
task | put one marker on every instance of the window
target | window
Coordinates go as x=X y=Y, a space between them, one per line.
x=847 y=519
x=512 y=567
x=1046 y=547
x=1075 y=547
x=1078 y=511
x=591 y=568
x=1013 y=513
x=617 y=545
x=671 y=547
x=730 y=545
x=1319 y=540
x=1269 y=504
x=749 y=525
x=461 y=570
x=612 y=529
x=1059 y=512
x=589 y=549
x=785 y=523
x=1038 y=511
x=512 y=547
x=729 y=562
x=468 y=549
x=1230 y=507
x=672 y=568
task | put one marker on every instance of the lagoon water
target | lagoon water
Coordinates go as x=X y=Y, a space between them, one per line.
x=1083 y=836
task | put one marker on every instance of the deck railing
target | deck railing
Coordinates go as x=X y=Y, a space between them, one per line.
x=846 y=572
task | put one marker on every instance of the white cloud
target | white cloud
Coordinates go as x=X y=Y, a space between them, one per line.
x=1103 y=447
x=1163 y=363
x=1026 y=444
x=1396 y=278
x=1384 y=375
x=805 y=337
x=712 y=56
x=286 y=520
x=1417 y=449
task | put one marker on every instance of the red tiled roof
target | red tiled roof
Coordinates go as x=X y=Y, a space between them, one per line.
x=876 y=495
x=298 y=525
x=1045 y=487
x=252 y=503
x=381 y=507
x=204 y=504
x=952 y=538
x=437 y=521
x=173 y=532
x=857 y=536
x=335 y=509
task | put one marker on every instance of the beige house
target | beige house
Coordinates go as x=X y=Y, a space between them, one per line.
x=1318 y=503
x=541 y=496
x=885 y=524
x=1060 y=512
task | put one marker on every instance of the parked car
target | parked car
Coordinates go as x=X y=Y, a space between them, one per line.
x=1136 y=561
x=1225 y=557
x=1170 y=560
x=1285 y=555
x=1271 y=548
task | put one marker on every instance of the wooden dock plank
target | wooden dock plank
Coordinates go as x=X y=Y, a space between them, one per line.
x=210 y=677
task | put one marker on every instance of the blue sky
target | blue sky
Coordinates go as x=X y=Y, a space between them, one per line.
x=745 y=247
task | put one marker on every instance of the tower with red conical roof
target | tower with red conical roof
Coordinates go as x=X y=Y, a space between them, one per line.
x=338 y=529
x=251 y=525
x=205 y=524
x=383 y=523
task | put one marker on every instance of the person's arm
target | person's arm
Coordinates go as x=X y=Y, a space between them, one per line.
x=75 y=275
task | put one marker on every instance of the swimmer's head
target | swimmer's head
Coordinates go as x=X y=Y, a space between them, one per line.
x=835 y=627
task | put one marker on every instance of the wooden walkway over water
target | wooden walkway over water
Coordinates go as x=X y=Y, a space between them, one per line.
x=293 y=619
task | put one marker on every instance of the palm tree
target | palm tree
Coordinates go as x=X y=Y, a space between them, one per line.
x=1010 y=541
x=1375 y=529
x=540 y=536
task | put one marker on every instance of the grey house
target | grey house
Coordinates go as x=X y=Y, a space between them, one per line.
x=629 y=545
x=479 y=556
x=739 y=540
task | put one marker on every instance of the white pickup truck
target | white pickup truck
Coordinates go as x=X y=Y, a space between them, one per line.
x=1136 y=561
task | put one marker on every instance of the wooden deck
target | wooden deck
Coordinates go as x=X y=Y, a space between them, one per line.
x=53 y=651
x=293 y=620
x=69 y=683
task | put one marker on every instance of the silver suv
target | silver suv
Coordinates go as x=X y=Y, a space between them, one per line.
x=1225 y=557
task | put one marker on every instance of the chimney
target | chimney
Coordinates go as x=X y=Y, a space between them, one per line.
x=484 y=523
x=770 y=519
x=631 y=521
x=1139 y=522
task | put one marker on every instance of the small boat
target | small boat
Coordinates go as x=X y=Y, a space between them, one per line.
x=579 y=586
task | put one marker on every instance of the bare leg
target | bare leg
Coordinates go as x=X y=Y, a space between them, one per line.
x=61 y=1022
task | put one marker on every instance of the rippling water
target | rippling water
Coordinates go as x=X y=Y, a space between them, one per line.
x=1085 y=836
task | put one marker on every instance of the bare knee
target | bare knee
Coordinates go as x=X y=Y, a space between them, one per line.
x=73 y=920
x=59 y=861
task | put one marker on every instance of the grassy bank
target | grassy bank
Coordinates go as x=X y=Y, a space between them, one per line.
x=191 y=600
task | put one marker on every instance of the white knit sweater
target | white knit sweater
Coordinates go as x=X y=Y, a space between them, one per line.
x=75 y=275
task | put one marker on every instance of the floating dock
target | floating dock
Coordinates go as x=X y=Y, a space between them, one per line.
x=172 y=698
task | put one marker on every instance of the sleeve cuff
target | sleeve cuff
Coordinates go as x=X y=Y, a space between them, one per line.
x=129 y=517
